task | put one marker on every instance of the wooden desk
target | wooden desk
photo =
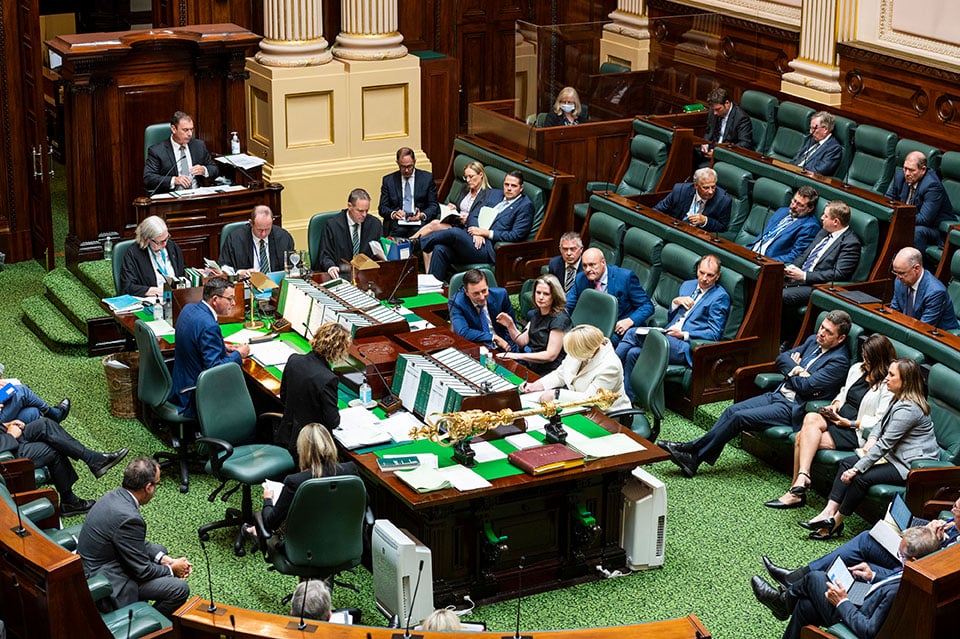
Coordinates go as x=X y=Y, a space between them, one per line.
x=192 y=621
x=538 y=515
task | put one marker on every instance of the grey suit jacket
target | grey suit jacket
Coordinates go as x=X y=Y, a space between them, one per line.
x=904 y=435
x=113 y=543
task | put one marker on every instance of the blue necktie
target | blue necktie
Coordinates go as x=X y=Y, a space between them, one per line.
x=807 y=263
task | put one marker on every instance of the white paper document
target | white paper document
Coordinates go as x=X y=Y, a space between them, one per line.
x=400 y=424
x=486 y=451
x=607 y=446
x=243 y=336
x=161 y=327
x=463 y=479
x=272 y=353
x=522 y=441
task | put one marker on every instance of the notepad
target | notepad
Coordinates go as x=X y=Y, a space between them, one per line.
x=423 y=479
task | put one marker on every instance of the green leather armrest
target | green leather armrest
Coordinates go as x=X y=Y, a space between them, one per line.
x=37 y=509
x=768 y=381
x=600 y=186
x=99 y=587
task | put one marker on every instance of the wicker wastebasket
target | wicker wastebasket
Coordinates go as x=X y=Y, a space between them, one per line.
x=122 y=370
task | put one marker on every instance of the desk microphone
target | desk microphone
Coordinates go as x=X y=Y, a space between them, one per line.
x=833 y=279
x=413 y=601
x=389 y=402
x=212 y=608
x=303 y=626
x=233 y=624
x=18 y=530
x=226 y=158
x=163 y=179
x=526 y=156
x=516 y=634
x=393 y=300
x=129 y=622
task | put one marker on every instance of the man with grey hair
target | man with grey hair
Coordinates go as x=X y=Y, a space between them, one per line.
x=702 y=204
x=820 y=152
x=566 y=265
x=261 y=246
x=818 y=600
x=915 y=184
x=348 y=233
x=311 y=599
x=919 y=294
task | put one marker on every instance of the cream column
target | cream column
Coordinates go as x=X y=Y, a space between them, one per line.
x=816 y=75
x=626 y=40
x=368 y=31
x=293 y=34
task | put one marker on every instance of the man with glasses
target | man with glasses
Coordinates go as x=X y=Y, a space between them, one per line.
x=919 y=294
x=199 y=343
x=820 y=151
x=179 y=162
x=791 y=229
x=260 y=247
x=914 y=184
x=155 y=259
x=408 y=197
x=113 y=543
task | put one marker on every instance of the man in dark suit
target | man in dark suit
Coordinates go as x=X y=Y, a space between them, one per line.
x=633 y=304
x=817 y=600
x=408 y=197
x=474 y=310
x=726 y=122
x=914 y=184
x=702 y=204
x=820 y=152
x=698 y=312
x=113 y=543
x=512 y=219
x=815 y=370
x=565 y=266
x=46 y=443
x=349 y=233
x=791 y=229
x=260 y=247
x=919 y=294
x=177 y=163
x=832 y=256
x=199 y=343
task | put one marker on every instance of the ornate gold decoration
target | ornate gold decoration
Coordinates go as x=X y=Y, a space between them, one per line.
x=462 y=425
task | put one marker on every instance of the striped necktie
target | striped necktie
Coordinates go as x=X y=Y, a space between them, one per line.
x=262 y=256
x=568 y=279
x=812 y=258
x=356 y=239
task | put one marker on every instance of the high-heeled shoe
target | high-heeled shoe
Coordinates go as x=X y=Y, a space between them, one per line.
x=800 y=490
x=833 y=532
x=818 y=524
x=779 y=505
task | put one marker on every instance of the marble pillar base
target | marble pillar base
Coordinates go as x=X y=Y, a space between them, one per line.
x=812 y=81
x=624 y=45
x=289 y=54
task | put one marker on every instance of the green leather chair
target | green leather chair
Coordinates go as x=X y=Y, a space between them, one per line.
x=154 y=133
x=323 y=532
x=874 y=158
x=138 y=619
x=154 y=386
x=227 y=230
x=597 y=309
x=606 y=234
x=641 y=254
x=768 y=196
x=456 y=281
x=679 y=265
x=613 y=67
x=314 y=231
x=735 y=181
x=646 y=380
x=950 y=177
x=762 y=109
x=228 y=425
x=933 y=154
x=793 y=125
x=119 y=250
x=953 y=286
x=844 y=130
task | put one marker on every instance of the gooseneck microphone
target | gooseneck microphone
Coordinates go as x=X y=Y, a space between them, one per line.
x=226 y=158
x=516 y=634
x=212 y=608
x=389 y=402
x=18 y=530
x=163 y=180
x=393 y=300
x=413 y=601
x=129 y=622
x=526 y=156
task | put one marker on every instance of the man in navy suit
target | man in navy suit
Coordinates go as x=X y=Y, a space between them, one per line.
x=918 y=294
x=726 y=123
x=261 y=246
x=815 y=370
x=474 y=310
x=698 y=312
x=820 y=152
x=349 y=233
x=633 y=305
x=565 y=266
x=817 y=600
x=702 y=203
x=914 y=184
x=180 y=162
x=408 y=195
x=199 y=343
x=512 y=221
x=27 y=406
x=791 y=229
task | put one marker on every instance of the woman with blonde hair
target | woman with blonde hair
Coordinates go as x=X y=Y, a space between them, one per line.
x=567 y=109
x=442 y=620
x=318 y=458
x=541 y=342
x=591 y=364
x=308 y=388
x=154 y=259
x=904 y=435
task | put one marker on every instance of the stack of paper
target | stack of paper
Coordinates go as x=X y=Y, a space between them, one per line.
x=124 y=303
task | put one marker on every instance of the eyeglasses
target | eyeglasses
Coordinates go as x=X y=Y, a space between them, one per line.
x=162 y=242
x=407 y=167
x=231 y=298
x=897 y=273
x=467 y=178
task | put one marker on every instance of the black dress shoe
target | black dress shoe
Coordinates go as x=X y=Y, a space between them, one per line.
x=64 y=408
x=776 y=503
x=780 y=575
x=415 y=248
x=110 y=460
x=687 y=462
x=830 y=534
x=818 y=524
x=773 y=598
x=683 y=447
x=79 y=507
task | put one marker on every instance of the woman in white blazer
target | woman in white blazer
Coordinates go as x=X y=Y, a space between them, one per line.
x=591 y=364
x=846 y=421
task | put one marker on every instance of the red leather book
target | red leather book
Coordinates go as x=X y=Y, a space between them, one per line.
x=545 y=459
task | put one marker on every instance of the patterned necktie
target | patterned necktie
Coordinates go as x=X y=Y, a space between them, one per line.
x=408 y=195
x=598 y=285
x=683 y=316
x=806 y=154
x=356 y=239
x=771 y=235
x=807 y=263
x=184 y=166
x=911 y=194
x=264 y=260
x=568 y=279
x=484 y=319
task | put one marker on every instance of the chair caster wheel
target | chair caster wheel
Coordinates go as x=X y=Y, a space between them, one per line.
x=204 y=536
x=184 y=488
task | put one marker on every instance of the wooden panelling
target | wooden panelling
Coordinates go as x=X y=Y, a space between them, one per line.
x=439 y=92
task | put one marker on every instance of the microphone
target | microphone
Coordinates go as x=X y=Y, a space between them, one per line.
x=516 y=634
x=212 y=608
x=233 y=624
x=389 y=402
x=303 y=626
x=243 y=171
x=833 y=279
x=163 y=179
x=18 y=530
x=526 y=156
x=413 y=600
x=129 y=622
x=393 y=300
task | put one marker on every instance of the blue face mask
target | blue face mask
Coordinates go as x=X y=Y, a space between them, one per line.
x=567 y=108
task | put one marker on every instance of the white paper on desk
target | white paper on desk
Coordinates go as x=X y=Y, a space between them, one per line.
x=607 y=446
x=161 y=327
x=161 y=196
x=574 y=436
x=377 y=249
x=427 y=283
x=405 y=222
x=272 y=353
x=242 y=160
x=486 y=451
x=400 y=424
x=463 y=479
x=359 y=416
x=357 y=433
x=428 y=460
x=536 y=423
x=273 y=486
x=420 y=325
x=522 y=441
x=243 y=336
x=645 y=330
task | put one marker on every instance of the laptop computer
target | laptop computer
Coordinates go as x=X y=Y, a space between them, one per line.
x=840 y=575
x=902 y=516
x=887 y=531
